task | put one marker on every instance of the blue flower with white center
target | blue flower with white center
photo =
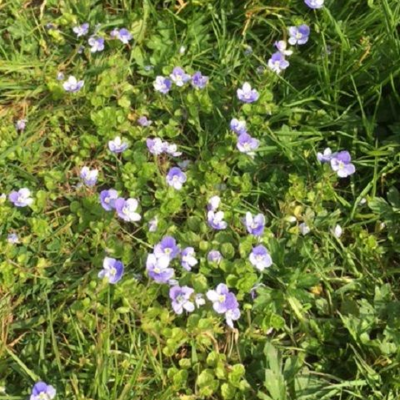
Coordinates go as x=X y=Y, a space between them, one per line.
x=112 y=270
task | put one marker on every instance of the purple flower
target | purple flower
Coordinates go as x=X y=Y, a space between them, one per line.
x=176 y=178
x=122 y=34
x=238 y=126
x=214 y=256
x=60 y=76
x=42 y=391
x=246 y=144
x=89 y=176
x=167 y=248
x=117 y=145
x=260 y=258
x=188 y=259
x=232 y=315
x=216 y=220
x=112 y=270
x=199 y=81
x=157 y=268
x=12 y=238
x=341 y=164
x=162 y=84
x=126 y=209
x=22 y=198
x=180 y=297
x=72 y=85
x=20 y=125
x=222 y=299
x=255 y=225
x=179 y=77
x=80 y=49
x=314 y=4
x=247 y=94
x=299 y=34
x=171 y=149
x=155 y=146
x=96 y=44
x=153 y=223
x=304 y=229
x=281 y=45
x=224 y=302
x=326 y=156
x=143 y=121
x=81 y=30
x=213 y=203
x=278 y=62
x=107 y=199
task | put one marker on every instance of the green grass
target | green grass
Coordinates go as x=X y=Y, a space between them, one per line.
x=325 y=325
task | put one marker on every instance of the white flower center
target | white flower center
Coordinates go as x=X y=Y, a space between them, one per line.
x=180 y=298
x=221 y=298
x=113 y=271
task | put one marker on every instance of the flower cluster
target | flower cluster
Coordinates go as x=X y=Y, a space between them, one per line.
x=156 y=146
x=340 y=162
x=122 y=35
x=297 y=35
x=179 y=77
x=245 y=143
x=215 y=219
x=158 y=262
x=125 y=208
x=96 y=42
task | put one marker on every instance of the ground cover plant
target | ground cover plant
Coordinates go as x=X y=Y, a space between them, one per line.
x=199 y=199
